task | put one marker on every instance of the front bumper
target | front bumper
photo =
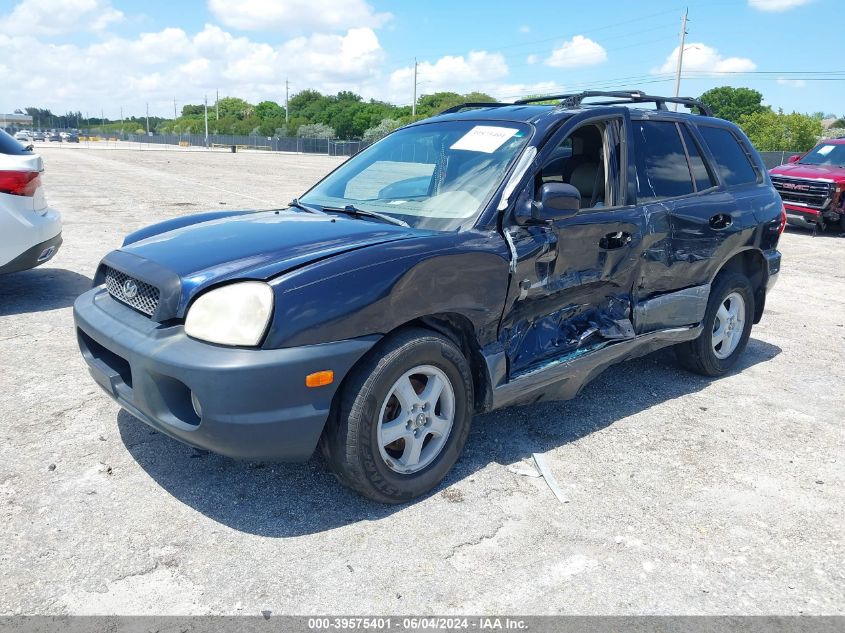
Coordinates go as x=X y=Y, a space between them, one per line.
x=254 y=402
x=801 y=216
x=808 y=217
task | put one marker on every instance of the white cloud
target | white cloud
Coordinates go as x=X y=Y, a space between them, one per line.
x=52 y=17
x=524 y=29
x=156 y=67
x=793 y=83
x=532 y=59
x=777 y=5
x=296 y=15
x=478 y=70
x=512 y=92
x=579 y=51
x=700 y=57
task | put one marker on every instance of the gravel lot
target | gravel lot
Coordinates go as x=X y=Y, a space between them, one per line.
x=686 y=496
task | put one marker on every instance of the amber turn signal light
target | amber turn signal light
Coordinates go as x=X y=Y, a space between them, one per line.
x=319 y=378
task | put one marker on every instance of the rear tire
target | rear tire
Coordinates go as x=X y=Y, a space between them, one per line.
x=403 y=417
x=726 y=327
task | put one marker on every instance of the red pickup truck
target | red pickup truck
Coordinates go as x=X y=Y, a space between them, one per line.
x=811 y=186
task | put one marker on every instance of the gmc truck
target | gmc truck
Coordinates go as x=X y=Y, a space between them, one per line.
x=811 y=186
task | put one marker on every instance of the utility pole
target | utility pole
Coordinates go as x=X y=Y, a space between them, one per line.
x=681 y=55
x=148 y=119
x=174 y=108
x=121 y=122
x=217 y=104
x=102 y=118
x=287 y=95
x=414 y=103
x=206 y=120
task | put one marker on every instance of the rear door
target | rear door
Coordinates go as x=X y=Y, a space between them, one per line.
x=690 y=216
x=571 y=287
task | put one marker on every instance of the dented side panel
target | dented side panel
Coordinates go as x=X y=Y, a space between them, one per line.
x=571 y=288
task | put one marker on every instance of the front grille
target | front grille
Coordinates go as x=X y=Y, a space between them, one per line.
x=814 y=194
x=133 y=292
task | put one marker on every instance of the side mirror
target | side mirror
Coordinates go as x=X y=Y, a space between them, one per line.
x=557 y=201
x=794 y=158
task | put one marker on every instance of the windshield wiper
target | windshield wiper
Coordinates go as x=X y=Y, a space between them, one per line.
x=351 y=209
x=296 y=204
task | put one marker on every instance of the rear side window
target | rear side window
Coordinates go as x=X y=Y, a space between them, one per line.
x=8 y=145
x=731 y=158
x=700 y=173
x=662 y=169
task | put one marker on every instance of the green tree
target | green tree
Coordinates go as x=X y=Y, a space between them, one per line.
x=231 y=106
x=429 y=105
x=733 y=103
x=269 y=110
x=775 y=131
x=315 y=130
x=385 y=127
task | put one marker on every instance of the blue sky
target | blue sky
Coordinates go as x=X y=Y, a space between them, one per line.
x=94 y=55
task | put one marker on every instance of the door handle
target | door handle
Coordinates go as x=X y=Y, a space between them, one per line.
x=720 y=221
x=617 y=239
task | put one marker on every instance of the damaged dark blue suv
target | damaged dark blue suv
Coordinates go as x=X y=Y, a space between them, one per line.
x=497 y=254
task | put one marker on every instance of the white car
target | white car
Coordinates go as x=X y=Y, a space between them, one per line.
x=30 y=231
x=23 y=137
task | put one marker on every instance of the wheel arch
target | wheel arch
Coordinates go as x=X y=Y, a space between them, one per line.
x=458 y=329
x=751 y=263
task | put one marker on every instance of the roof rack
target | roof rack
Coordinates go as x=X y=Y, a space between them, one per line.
x=466 y=106
x=618 y=97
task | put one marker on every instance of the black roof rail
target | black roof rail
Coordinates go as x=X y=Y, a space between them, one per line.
x=479 y=104
x=619 y=97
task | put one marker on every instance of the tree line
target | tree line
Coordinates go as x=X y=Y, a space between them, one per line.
x=347 y=116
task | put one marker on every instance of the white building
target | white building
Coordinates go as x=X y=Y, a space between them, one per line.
x=15 y=121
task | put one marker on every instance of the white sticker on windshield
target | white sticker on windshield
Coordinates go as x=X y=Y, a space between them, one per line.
x=484 y=138
x=827 y=149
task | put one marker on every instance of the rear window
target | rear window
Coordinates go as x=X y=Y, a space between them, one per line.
x=662 y=169
x=731 y=158
x=8 y=145
x=700 y=172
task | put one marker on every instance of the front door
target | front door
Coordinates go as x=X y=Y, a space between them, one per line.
x=572 y=280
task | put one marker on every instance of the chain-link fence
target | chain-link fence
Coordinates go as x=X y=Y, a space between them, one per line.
x=773 y=159
x=329 y=147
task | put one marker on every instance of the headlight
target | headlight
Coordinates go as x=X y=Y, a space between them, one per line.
x=236 y=314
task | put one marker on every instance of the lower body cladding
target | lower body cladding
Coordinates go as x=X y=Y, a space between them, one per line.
x=243 y=403
x=563 y=378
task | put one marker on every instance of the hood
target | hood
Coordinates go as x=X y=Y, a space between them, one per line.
x=184 y=261
x=827 y=172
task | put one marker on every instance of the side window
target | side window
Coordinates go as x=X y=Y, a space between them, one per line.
x=662 y=169
x=700 y=172
x=587 y=159
x=732 y=161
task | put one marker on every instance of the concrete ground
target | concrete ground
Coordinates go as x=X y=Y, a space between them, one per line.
x=686 y=496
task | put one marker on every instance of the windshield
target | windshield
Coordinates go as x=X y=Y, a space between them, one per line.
x=435 y=176
x=825 y=154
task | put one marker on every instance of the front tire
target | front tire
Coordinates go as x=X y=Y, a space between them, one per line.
x=403 y=417
x=727 y=327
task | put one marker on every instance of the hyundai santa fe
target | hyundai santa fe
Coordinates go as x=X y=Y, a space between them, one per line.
x=494 y=255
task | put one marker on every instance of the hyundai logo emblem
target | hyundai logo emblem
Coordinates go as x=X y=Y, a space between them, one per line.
x=130 y=289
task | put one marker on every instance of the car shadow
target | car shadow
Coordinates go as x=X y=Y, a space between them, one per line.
x=283 y=500
x=40 y=289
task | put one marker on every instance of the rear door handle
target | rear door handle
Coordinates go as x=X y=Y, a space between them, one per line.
x=617 y=239
x=720 y=221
